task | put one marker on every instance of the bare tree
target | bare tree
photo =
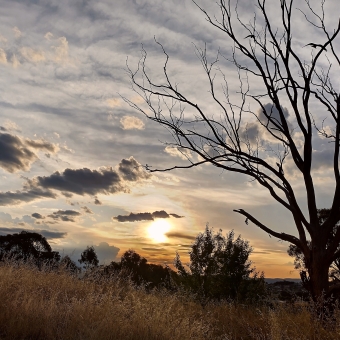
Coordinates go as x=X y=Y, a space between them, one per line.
x=263 y=50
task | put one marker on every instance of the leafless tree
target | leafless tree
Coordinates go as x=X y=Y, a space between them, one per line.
x=263 y=50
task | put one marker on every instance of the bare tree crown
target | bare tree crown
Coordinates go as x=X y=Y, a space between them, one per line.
x=291 y=87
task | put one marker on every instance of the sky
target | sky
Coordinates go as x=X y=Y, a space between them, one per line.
x=72 y=150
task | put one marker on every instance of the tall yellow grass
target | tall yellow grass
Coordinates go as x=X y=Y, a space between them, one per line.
x=49 y=305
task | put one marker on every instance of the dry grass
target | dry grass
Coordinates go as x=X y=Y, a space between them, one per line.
x=41 y=305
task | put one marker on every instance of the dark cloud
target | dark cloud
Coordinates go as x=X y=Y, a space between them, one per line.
x=176 y=216
x=131 y=170
x=160 y=214
x=27 y=195
x=144 y=216
x=91 y=182
x=87 y=210
x=250 y=133
x=76 y=181
x=52 y=234
x=274 y=115
x=46 y=233
x=17 y=154
x=175 y=234
x=134 y=217
x=97 y=202
x=81 y=181
x=65 y=215
x=22 y=223
x=37 y=215
x=154 y=249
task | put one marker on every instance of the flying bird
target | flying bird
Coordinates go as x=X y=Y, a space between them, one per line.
x=250 y=36
x=315 y=46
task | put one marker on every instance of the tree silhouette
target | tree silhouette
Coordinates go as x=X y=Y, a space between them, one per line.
x=27 y=245
x=219 y=266
x=280 y=139
x=67 y=264
x=89 y=258
x=300 y=261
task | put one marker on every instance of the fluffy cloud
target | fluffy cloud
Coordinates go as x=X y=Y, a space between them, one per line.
x=177 y=152
x=82 y=182
x=113 y=102
x=130 y=122
x=18 y=153
x=32 y=55
x=144 y=216
x=3 y=57
x=131 y=170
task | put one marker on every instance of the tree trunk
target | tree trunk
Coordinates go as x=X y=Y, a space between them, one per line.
x=318 y=275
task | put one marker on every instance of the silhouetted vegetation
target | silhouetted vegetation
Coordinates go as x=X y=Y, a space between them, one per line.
x=89 y=258
x=302 y=264
x=27 y=246
x=220 y=268
x=140 y=272
x=266 y=131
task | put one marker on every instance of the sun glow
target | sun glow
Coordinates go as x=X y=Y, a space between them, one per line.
x=158 y=229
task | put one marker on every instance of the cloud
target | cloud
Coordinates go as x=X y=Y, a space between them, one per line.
x=131 y=170
x=106 y=253
x=65 y=215
x=154 y=249
x=15 y=61
x=48 y=36
x=130 y=122
x=3 y=56
x=274 y=115
x=177 y=152
x=250 y=132
x=113 y=102
x=61 y=50
x=18 y=153
x=176 y=216
x=37 y=216
x=82 y=182
x=87 y=210
x=46 y=233
x=32 y=55
x=134 y=217
x=176 y=234
x=17 y=197
x=144 y=216
x=97 y=202
x=17 y=32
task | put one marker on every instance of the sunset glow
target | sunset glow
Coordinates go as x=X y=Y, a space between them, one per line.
x=158 y=229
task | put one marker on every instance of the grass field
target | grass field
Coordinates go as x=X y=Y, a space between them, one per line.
x=49 y=305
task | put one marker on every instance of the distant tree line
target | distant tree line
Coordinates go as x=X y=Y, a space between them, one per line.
x=219 y=265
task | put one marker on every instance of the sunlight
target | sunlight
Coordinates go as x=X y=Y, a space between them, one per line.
x=157 y=230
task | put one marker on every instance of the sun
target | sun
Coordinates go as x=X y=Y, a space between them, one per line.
x=158 y=229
